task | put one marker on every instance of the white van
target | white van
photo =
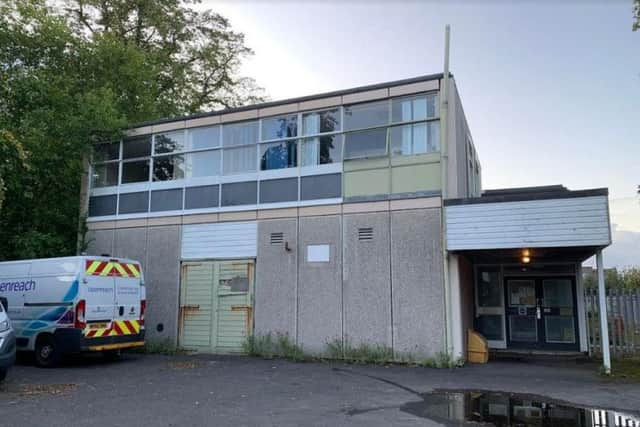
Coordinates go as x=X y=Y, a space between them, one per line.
x=68 y=305
x=7 y=341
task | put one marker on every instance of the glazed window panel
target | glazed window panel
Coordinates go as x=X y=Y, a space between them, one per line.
x=133 y=203
x=104 y=175
x=106 y=152
x=321 y=122
x=280 y=127
x=166 y=200
x=419 y=138
x=102 y=205
x=370 y=143
x=414 y=108
x=205 y=137
x=239 y=134
x=168 y=168
x=135 y=171
x=168 y=142
x=239 y=160
x=367 y=115
x=278 y=155
x=321 y=150
x=136 y=147
x=202 y=163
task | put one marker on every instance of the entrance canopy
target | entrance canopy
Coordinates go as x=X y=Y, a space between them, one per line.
x=534 y=217
x=526 y=246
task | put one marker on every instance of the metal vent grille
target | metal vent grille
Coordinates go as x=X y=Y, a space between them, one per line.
x=365 y=233
x=277 y=238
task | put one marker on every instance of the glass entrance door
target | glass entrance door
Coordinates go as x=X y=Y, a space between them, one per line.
x=541 y=313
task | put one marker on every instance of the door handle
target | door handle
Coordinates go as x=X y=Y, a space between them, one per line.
x=538 y=313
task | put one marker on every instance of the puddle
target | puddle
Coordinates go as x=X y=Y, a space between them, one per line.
x=464 y=407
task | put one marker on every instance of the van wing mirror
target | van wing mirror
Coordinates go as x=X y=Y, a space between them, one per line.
x=5 y=303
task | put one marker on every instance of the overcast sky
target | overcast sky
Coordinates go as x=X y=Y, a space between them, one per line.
x=551 y=89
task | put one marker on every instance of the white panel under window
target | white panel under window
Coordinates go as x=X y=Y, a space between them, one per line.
x=318 y=253
x=220 y=240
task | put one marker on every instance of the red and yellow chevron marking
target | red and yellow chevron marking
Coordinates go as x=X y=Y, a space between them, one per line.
x=118 y=327
x=112 y=268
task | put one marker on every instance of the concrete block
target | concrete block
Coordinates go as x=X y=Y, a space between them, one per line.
x=100 y=242
x=239 y=116
x=418 y=287
x=131 y=243
x=369 y=95
x=165 y=127
x=277 y=110
x=427 y=86
x=162 y=277
x=316 y=104
x=320 y=284
x=366 y=280
x=202 y=121
x=276 y=285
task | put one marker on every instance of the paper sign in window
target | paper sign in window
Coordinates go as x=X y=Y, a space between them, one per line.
x=318 y=253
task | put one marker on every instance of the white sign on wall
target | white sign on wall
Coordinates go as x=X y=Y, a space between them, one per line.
x=318 y=253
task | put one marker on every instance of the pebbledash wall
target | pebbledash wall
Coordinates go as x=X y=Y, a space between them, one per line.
x=376 y=204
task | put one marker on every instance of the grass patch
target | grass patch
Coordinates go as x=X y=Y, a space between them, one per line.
x=269 y=347
x=627 y=368
x=281 y=346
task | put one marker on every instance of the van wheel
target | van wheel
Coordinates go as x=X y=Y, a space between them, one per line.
x=111 y=355
x=46 y=352
x=3 y=373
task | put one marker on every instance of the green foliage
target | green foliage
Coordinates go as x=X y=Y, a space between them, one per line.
x=362 y=353
x=269 y=347
x=628 y=278
x=75 y=74
x=636 y=15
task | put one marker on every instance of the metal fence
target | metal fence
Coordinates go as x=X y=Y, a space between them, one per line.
x=623 y=314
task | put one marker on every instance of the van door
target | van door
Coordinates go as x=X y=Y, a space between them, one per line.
x=127 y=296
x=98 y=291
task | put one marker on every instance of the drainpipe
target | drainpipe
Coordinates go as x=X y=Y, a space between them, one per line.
x=444 y=182
x=604 y=327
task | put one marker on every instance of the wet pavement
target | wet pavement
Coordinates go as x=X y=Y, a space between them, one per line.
x=213 y=390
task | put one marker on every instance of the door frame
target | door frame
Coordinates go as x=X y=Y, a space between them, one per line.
x=540 y=343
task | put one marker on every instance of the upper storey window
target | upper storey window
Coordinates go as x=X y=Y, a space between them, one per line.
x=168 y=142
x=280 y=127
x=321 y=122
x=136 y=161
x=414 y=108
x=136 y=147
x=371 y=114
x=202 y=138
x=239 y=148
x=105 y=170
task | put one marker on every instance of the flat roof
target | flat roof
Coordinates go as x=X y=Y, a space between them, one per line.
x=358 y=89
x=519 y=194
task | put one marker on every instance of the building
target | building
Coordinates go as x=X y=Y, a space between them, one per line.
x=355 y=216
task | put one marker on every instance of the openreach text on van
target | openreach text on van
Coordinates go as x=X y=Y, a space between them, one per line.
x=25 y=286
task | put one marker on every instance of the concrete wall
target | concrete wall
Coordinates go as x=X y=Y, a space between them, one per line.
x=386 y=291
x=366 y=280
x=416 y=272
x=158 y=250
x=162 y=276
x=320 y=284
x=276 y=279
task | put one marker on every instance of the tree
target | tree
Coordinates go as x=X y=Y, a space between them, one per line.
x=72 y=77
x=636 y=15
